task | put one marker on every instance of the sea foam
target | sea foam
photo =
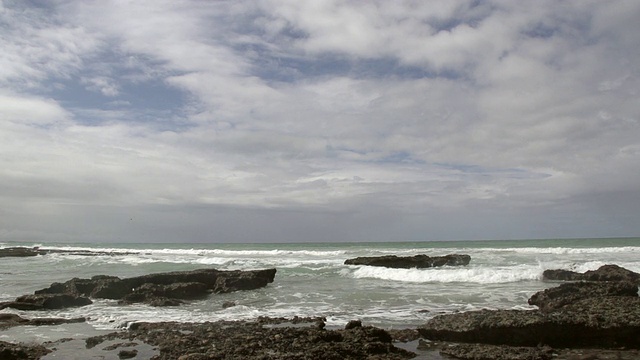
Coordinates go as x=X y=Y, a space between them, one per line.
x=480 y=275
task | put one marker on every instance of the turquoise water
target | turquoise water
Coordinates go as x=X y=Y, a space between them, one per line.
x=312 y=279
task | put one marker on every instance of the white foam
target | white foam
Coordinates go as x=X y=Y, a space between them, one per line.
x=480 y=275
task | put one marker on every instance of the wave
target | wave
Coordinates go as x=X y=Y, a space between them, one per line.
x=481 y=275
x=195 y=252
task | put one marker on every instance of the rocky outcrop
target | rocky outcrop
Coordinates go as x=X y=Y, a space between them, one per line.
x=604 y=273
x=594 y=322
x=9 y=320
x=162 y=289
x=46 y=302
x=408 y=262
x=255 y=340
x=496 y=352
x=18 y=252
x=558 y=297
x=11 y=351
x=597 y=314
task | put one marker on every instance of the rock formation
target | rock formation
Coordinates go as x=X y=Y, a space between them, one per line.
x=407 y=262
x=160 y=289
x=601 y=313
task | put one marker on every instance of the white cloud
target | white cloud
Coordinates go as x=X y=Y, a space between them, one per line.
x=369 y=108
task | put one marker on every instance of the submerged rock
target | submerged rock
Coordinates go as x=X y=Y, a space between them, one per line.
x=407 y=262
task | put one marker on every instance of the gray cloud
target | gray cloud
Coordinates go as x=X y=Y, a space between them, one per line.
x=242 y=121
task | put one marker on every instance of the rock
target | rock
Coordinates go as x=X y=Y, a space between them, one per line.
x=611 y=321
x=353 y=324
x=18 y=251
x=228 y=304
x=46 y=301
x=557 y=297
x=127 y=354
x=162 y=289
x=603 y=273
x=10 y=351
x=148 y=292
x=10 y=320
x=407 y=262
x=260 y=340
x=495 y=352
x=231 y=281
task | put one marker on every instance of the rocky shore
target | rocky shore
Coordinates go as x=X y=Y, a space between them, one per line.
x=602 y=315
x=581 y=316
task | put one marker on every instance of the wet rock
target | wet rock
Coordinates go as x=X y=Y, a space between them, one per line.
x=353 y=324
x=557 y=297
x=494 y=352
x=10 y=351
x=407 y=262
x=603 y=273
x=612 y=321
x=163 y=289
x=10 y=320
x=149 y=292
x=46 y=301
x=18 y=251
x=127 y=354
x=262 y=340
x=228 y=304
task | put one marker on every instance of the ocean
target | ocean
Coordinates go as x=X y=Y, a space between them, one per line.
x=311 y=280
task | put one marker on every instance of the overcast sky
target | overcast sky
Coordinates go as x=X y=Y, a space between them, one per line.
x=289 y=120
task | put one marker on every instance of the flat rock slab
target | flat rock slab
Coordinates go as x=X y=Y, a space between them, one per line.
x=408 y=262
x=254 y=340
x=593 y=322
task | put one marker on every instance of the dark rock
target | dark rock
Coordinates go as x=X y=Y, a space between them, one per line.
x=407 y=262
x=18 y=252
x=353 y=324
x=147 y=292
x=46 y=301
x=9 y=351
x=256 y=340
x=496 y=352
x=603 y=273
x=10 y=320
x=127 y=354
x=230 y=281
x=163 y=289
x=557 y=297
x=228 y=304
x=612 y=321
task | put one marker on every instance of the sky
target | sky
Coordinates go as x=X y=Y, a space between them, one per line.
x=300 y=121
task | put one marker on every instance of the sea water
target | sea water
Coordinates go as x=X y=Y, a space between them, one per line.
x=311 y=279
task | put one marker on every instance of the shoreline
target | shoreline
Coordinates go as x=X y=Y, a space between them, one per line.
x=594 y=308
x=186 y=341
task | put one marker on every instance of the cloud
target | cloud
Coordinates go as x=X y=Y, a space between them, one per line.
x=328 y=114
